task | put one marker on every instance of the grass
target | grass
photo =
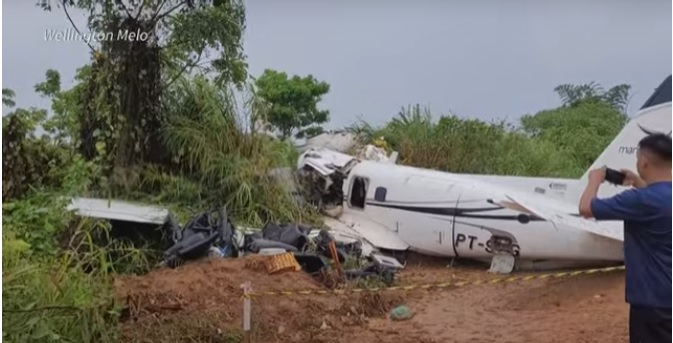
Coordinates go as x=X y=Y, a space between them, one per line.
x=51 y=294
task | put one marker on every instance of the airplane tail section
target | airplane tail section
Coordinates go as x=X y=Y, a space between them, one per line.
x=653 y=117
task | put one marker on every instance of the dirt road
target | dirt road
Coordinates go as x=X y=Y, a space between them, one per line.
x=201 y=302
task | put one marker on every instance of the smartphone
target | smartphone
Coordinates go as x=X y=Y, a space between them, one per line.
x=614 y=177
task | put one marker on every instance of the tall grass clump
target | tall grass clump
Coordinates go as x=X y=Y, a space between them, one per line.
x=460 y=145
x=56 y=282
x=57 y=267
x=216 y=161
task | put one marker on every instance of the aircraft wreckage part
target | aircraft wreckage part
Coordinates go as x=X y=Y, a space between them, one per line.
x=281 y=263
x=387 y=261
x=198 y=236
x=311 y=263
x=372 y=232
x=502 y=264
x=563 y=220
x=438 y=286
x=292 y=234
x=118 y=210
x=260 y=243
x=324 y=161
x=271 y=251
x=338 y=141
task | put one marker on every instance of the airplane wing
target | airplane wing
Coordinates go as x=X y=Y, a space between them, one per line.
x=562 y=219
x=118 y=210
x=359 y=228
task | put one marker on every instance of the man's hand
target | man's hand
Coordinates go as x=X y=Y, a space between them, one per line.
x=632 y=179
x=597 y=176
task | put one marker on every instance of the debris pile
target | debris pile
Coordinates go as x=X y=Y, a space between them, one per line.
x=290 y=246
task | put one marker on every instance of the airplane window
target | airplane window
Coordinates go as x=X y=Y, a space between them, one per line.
x=358 y=193
x=380 y=194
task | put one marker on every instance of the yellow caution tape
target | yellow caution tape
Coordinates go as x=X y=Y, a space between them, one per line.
x=442 y=285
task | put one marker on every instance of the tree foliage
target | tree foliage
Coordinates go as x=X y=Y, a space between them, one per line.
x=8 y=97
x=292 y=103
x=559 y=142
x=572 y=95
x=118 y=111
x=470 y=146
x=584 y=130
x=28 y=160
x=185 y=30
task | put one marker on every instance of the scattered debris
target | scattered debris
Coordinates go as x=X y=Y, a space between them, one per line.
x=277 y=264
x=281 y=247
x=338 y=141
x=313 y=250
x=197 y=238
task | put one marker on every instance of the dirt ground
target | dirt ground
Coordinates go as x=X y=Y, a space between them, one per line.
x=201 y=302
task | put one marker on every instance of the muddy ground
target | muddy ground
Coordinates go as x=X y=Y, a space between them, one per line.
x=201 y=302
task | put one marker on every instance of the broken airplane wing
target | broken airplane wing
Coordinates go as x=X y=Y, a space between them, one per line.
x=356 y=227
x=118 y=210
x=560 y=219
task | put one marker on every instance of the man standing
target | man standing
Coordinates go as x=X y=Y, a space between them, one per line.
x=646 y=212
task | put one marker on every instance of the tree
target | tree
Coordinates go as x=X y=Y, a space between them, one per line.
x=8 y=97
x=185 y=31
x=572 y=95
x=145 y=45
x=291 y=103
x=584 y=130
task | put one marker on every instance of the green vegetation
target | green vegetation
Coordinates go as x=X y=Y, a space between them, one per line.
x=149 y=120
x=290 y=104
x=560 y=142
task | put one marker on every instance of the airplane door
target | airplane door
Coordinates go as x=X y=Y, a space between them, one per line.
x=420 y=215
x=426 y=234
x=470 y=237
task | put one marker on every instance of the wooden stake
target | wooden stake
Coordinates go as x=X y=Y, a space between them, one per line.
x=247 y=308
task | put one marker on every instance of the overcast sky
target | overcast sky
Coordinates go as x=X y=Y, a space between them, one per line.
x=483 y=58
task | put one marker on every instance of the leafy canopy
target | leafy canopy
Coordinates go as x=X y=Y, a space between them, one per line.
x=187 y=31
x=584 y=130
x=616 y=97
x=291 y=104
x=586 y=123
x=560 y=142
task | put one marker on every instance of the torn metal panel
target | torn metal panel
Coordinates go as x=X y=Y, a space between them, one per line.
x=337 y=141
x=324 y=161
x=118 y=210
x=372 y=153
x=358 y=227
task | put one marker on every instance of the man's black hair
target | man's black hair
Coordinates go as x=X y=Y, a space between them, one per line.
x=658 y=144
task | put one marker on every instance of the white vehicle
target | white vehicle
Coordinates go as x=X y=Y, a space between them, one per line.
x=513 y=222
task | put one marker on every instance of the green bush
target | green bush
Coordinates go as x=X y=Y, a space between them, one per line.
x=471 y=146
x=51 y=294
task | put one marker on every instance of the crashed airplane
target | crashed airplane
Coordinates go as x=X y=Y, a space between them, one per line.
x=515 y=223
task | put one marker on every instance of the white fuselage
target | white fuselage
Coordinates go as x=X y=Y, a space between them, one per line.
x=398 y=207
x=445 y=214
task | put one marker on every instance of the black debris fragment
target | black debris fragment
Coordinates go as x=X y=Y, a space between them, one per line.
x=206 y=232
